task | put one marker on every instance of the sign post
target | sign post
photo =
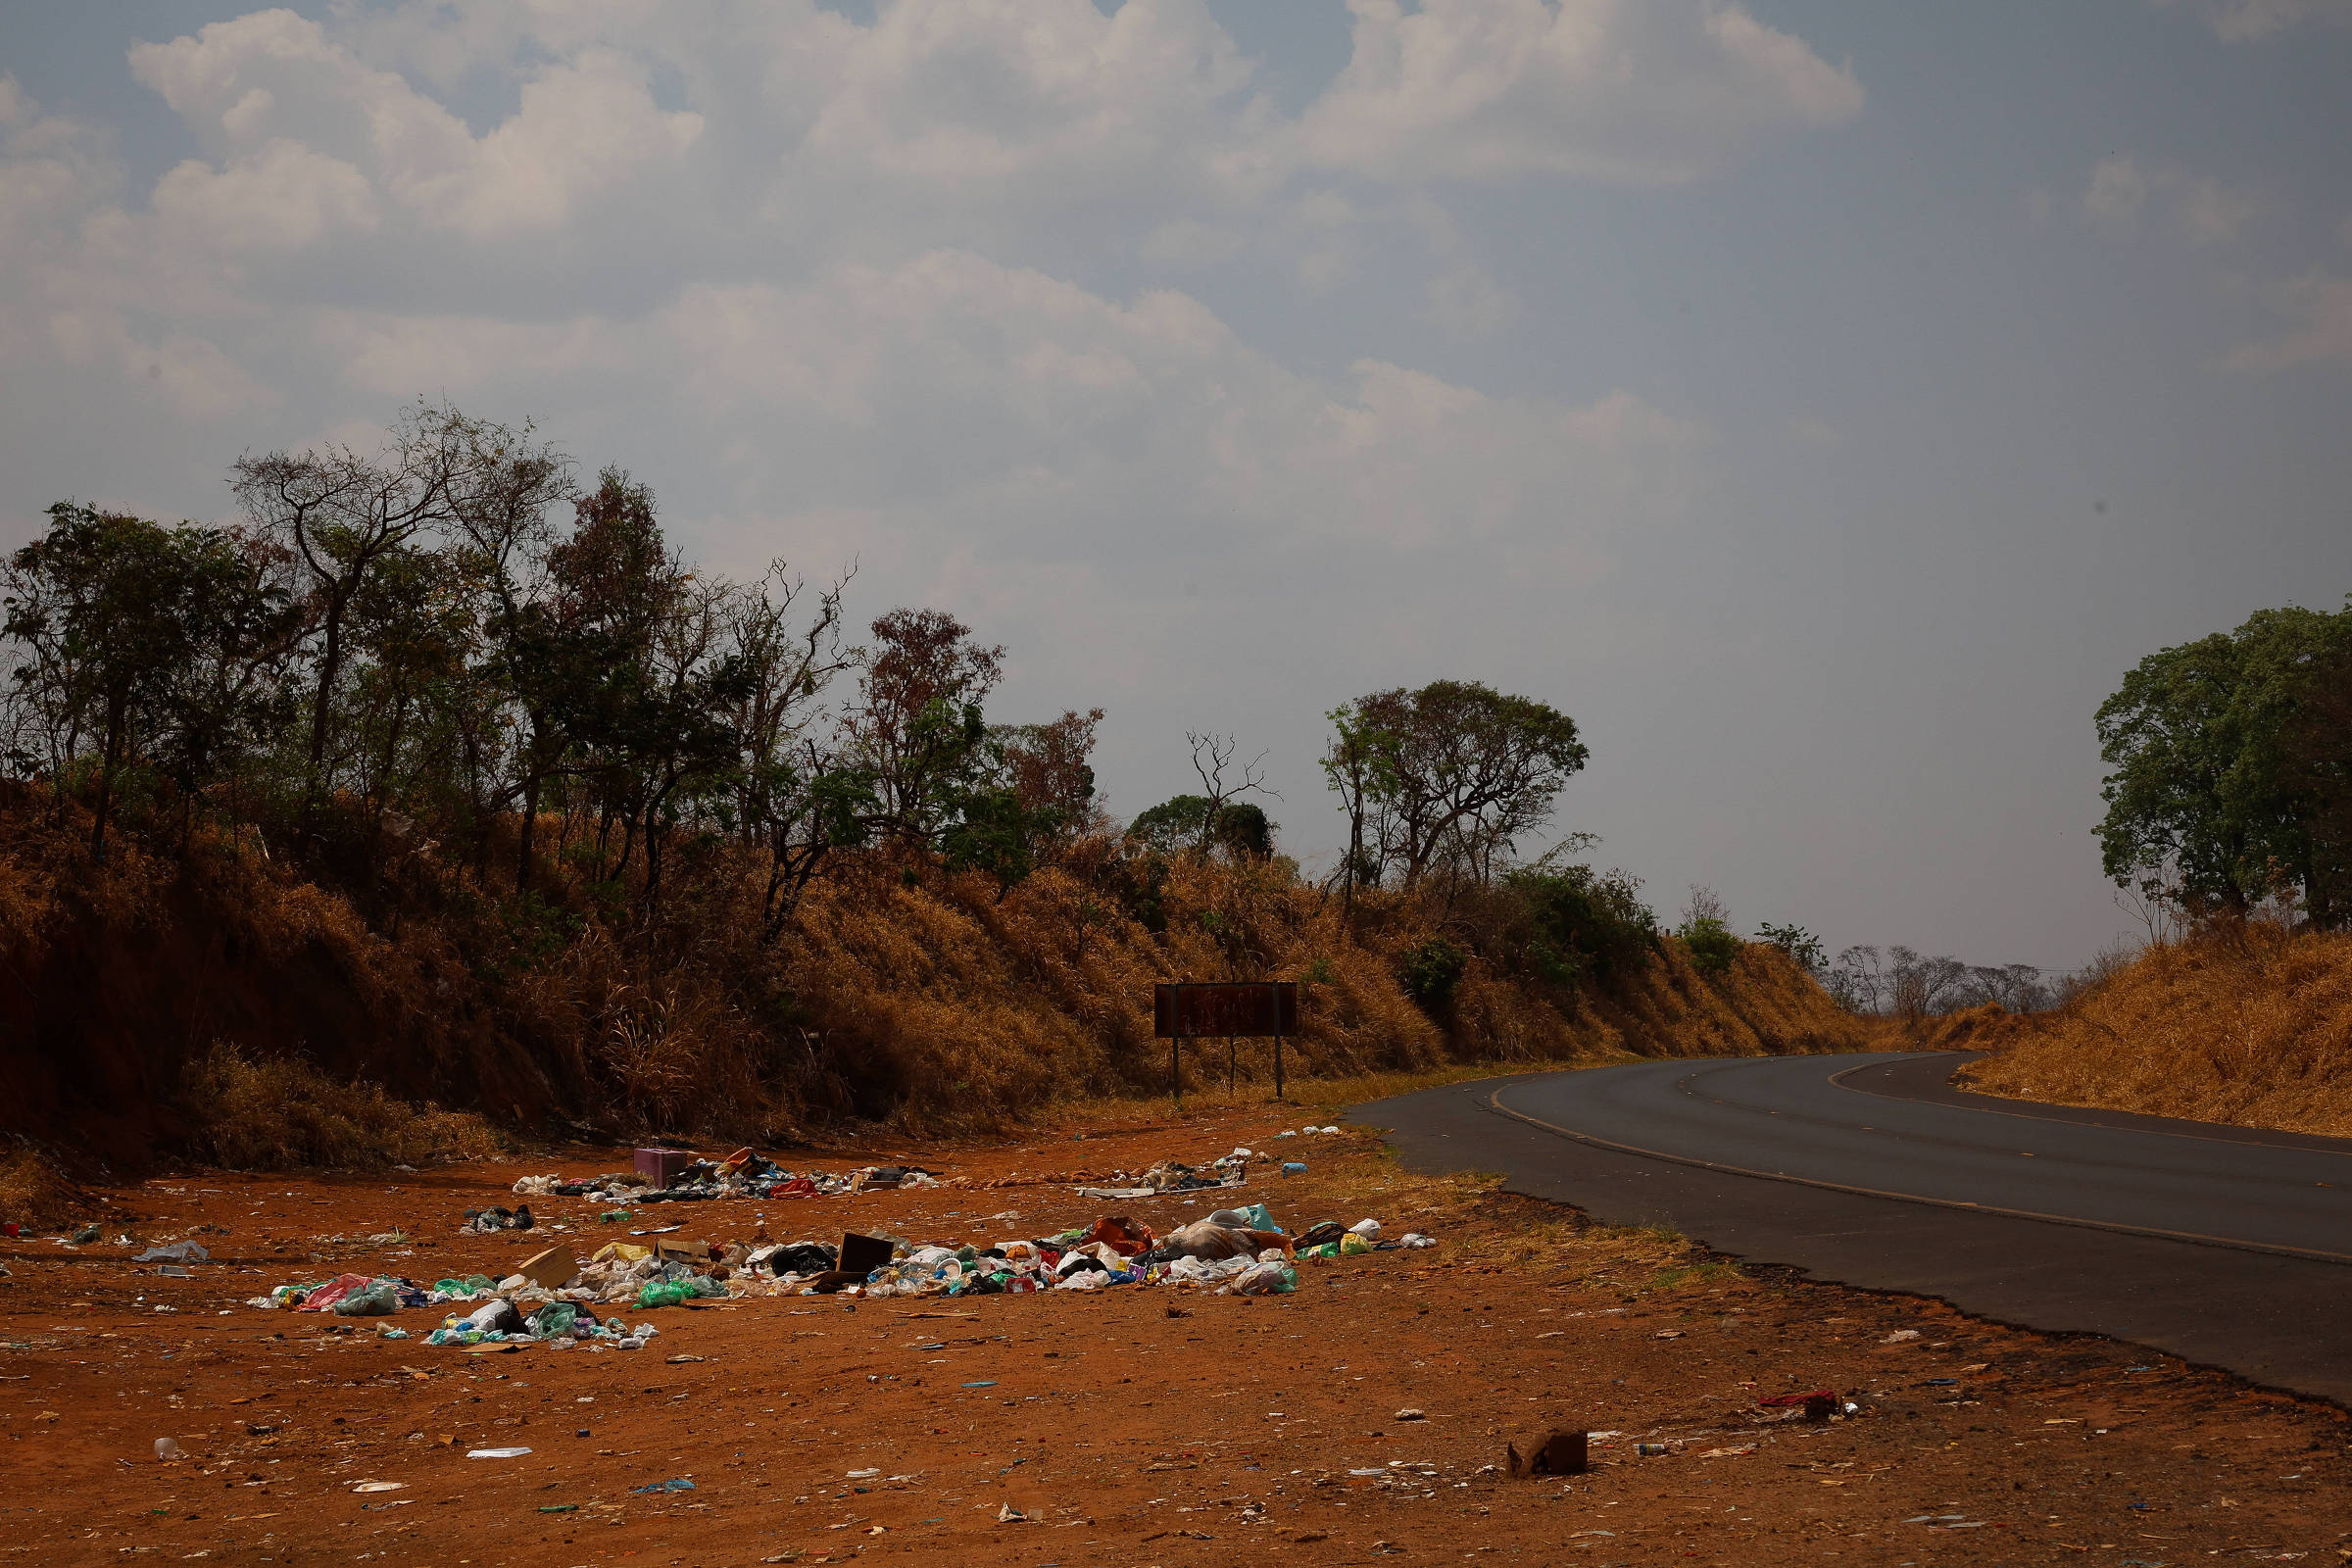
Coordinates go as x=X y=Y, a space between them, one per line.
x=1197 y=1010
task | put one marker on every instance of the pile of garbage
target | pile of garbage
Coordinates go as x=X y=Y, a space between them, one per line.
x=674 y=1176
x=511 y=1309
x=1174 y=1176
x=559 y=1299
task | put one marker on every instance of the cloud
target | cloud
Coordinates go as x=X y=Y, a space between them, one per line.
x=2323 y=303
x=2257 y=21
x=282 y=197
x=1636 y=91
x=2124 y=189
x=275 y=79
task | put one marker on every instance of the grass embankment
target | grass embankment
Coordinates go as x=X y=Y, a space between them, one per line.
x=2244 y=1024
x=211 y=1001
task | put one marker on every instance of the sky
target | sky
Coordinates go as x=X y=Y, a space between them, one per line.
x=1823 y=402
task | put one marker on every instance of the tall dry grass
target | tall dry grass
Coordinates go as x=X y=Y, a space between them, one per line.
x=2244 y=1024
x=282 y=1114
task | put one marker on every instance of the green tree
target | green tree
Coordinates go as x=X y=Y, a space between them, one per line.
x=2317 y=749
x=2197 y=797
x=142 y=645
x=1452 y=774
x=1193 y=822
x=340 y=516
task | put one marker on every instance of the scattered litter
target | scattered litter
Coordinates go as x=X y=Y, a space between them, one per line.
x=177 y=1252
x=168 y=1449
x=1010 y=1516
x=496 y=1453
x=378 y=1485
x=1901 y=1336
x=1409 y=1414
x=680 y=1484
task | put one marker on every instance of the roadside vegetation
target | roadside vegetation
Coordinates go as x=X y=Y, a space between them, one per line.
x=441 y=794
x=2228 y=832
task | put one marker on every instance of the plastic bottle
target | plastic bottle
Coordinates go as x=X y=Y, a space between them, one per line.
x=168 y=1449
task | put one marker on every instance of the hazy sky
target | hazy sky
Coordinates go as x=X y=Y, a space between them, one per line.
x=1824 y=400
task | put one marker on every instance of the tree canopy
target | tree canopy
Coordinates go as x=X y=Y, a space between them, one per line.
x=2220 y=764
x=1451 y=775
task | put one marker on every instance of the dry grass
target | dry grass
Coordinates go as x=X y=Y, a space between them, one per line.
x=896 y=995
x=35 y=1191
x=2246 y=1025
x=281 y=1113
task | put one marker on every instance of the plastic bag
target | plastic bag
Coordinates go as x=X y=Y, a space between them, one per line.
x=375 y=1298
x=1266 y=1279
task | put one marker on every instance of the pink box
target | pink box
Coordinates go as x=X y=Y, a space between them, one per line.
x=660 y=1165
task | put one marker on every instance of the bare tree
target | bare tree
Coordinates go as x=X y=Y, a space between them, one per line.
x=1212 y=755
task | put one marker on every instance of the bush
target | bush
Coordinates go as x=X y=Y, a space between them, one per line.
x=1581 y=925
x=1710 y=944
x=1430 y=972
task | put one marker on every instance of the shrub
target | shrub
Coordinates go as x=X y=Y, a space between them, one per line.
x=1710 y=944
x=1430 y=972
x=1581 y=925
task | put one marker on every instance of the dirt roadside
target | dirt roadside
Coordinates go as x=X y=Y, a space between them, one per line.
x=1129 y=1426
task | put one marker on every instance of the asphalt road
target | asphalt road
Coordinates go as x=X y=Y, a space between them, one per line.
x=2229 y=1246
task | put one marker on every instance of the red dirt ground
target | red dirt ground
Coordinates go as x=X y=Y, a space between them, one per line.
x=1241 y=1428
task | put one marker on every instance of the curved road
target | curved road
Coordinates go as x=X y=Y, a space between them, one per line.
x=2230 y=1247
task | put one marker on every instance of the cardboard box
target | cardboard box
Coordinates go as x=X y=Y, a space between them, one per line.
x=660 y=1165
x=550 y=1270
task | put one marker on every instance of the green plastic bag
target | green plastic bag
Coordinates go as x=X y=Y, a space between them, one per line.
x=665 y=1292
x=375 y=1298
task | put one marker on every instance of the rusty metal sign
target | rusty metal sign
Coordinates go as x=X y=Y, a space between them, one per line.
x=1205 y=1009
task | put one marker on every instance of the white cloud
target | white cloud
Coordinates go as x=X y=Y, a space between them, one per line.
x=2124 y=189
x=1644 y=91
x=2321 y=302
x=584 y=124
x=2257 y=21
x=282 y=197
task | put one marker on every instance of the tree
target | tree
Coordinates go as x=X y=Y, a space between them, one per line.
x=1450 y=775
x=2199 y=796
x=143 y=645
x=1801 y=946
x=916 y=730
x=1050 y=769
x=790 y=797
x=2011 y=986
x=341 y=515
x=499 y=525
x=1222 y=818
x=1191 y=823
x=2316 y=753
